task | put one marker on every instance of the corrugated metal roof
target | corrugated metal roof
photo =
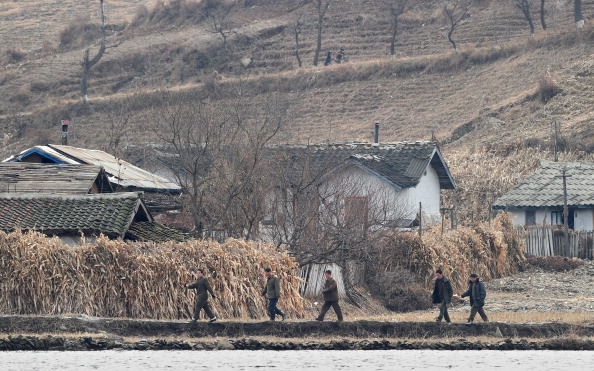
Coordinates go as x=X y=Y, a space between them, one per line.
x=52 y=178
x=544 y=188
x=120 y=172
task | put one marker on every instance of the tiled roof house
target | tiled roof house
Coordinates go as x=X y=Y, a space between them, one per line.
x=539 y=198
x=401 y=175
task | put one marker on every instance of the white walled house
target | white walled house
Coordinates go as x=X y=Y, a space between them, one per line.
x=538 y=200
x=359 y=185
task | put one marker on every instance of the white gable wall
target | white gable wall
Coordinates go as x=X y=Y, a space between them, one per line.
x=353 y=181
x=427 y=192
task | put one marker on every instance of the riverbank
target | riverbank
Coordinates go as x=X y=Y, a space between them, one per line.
x=83 y=333
x=90 y=343
x=56 y=325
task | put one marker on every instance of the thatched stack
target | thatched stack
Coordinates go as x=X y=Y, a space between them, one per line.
x=108 y=278
x=489 y=251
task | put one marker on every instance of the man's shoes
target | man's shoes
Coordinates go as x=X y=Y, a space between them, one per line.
x=317 y=319
x=284 y=315
x=213 y=319
x=193 y=320
x=338 y=321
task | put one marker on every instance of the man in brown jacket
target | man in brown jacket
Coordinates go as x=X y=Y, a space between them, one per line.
x=202 y=288
x=272 y=293
x=330 y=293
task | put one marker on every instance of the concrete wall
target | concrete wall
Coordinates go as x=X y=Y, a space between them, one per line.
x=583 y=218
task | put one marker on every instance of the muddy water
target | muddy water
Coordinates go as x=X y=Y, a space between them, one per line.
x=298 y=360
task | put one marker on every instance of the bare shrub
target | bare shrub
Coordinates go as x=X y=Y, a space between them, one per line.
x=547 y=89
x=554 y=263
x=12 y=56
x=78 y=33
x=399 y=291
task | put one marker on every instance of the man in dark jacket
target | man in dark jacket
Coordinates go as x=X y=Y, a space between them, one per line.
x=272 y=293
x=478 y=293
x=442 y=295
x=330 y=293
x=202 y=288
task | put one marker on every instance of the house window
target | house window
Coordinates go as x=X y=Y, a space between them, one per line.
x=557 y=217
x=530 y=217
x=356 y=211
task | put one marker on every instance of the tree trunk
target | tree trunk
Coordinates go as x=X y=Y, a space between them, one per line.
x=526 y=11
x=542 y=14
x=393 y=39
x=451 y=40
x=297 y=47
x=318 y=45
x=577 y=13
x=88 y=64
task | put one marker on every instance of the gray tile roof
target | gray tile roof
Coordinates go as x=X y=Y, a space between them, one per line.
x=153 y=231
x=110 y=213
x=545 y=188
x=23 y=177
x=402 y=164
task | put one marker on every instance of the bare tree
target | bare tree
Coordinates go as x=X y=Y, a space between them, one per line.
x=395 y=9
x=543 y=14
x=325 y=217
x=219 y=19
x=456 y=11
x=577 y=13
x=524 y=6
x=117 y=125
x=321 y=9
x=214 y=146
x=87 y=62
x=297 y=28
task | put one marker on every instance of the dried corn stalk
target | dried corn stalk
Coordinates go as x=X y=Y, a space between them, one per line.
x=40 y=275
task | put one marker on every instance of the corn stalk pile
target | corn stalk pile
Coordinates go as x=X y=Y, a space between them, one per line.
x=489 y=251
x=109 y=278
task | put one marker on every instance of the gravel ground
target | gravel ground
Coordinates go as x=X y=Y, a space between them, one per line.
x=540 y=291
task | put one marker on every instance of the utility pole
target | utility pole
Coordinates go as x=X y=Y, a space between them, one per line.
x=565 y=209
x=555 y=138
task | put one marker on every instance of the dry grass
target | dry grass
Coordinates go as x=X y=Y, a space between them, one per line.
x=511 y=317
x=114 y=279
x=491 y=251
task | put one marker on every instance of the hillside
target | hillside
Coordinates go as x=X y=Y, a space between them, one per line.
x=482 y=103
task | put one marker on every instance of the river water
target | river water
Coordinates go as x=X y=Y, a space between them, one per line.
x=299 y=360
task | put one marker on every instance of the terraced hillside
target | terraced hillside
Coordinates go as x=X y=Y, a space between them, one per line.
x=482 y=102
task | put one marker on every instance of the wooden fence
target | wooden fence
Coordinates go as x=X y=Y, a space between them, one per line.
x=547 y=241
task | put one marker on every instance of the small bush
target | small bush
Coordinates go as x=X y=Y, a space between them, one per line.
x=79 y=33
x=14 y=56
x=554 y=263
x=547 y=89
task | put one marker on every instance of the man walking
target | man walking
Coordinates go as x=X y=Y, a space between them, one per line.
x=442 y=295
x=272 y=293
x=330 y=293
x=478 y=293
x=202 y=288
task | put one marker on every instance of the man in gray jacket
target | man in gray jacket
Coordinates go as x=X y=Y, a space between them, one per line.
x=478 y=293
x=202 y=287
x=330 y=293
x=272 y=292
